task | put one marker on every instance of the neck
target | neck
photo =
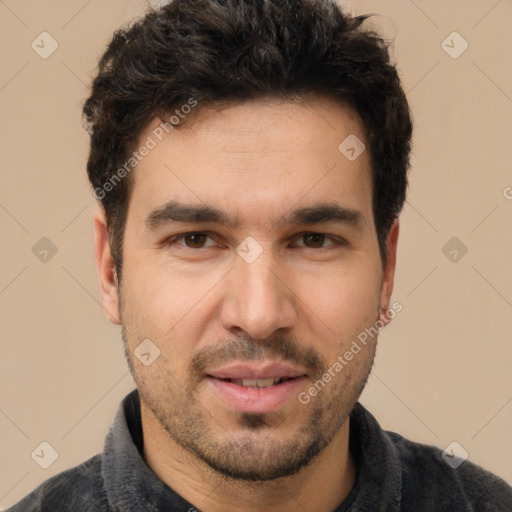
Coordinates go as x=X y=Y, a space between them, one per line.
x=321 y=485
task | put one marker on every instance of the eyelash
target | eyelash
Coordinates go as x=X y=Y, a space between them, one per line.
x=336 y=241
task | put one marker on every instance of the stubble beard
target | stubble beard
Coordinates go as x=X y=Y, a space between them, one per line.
x=253 y=453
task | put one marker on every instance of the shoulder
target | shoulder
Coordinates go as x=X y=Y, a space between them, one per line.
x=77 y=489
x=427 y=477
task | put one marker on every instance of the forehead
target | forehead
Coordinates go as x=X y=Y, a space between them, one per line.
x=258 y=158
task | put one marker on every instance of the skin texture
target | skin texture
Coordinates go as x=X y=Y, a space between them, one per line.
x=303 y=300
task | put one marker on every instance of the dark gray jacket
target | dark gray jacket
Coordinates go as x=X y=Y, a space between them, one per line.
x=392 y=474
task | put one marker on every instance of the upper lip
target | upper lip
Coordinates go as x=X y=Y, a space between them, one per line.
x=257 y=370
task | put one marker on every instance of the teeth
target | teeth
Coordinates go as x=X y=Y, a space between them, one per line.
x=256 y=383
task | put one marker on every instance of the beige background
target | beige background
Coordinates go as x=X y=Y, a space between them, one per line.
x=443 y=370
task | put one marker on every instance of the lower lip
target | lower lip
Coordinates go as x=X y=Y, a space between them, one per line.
x=256 y=400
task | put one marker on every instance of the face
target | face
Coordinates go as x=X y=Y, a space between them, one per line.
x=251 y=263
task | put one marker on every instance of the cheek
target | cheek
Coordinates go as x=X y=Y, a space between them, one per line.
x=164 y=306
x=344 y=301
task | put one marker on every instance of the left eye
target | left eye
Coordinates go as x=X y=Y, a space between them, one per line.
x=194 y=240
x=315 y=240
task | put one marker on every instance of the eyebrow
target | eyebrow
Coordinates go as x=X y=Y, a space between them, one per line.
x=192 y=213
x=322 y=212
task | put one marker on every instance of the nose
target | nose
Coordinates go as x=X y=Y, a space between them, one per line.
x=258 y=299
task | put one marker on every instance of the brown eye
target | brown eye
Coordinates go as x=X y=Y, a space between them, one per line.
x=313 y=240
x=195 y=240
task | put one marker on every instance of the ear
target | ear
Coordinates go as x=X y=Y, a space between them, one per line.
x=106 y=269
x=388 y=276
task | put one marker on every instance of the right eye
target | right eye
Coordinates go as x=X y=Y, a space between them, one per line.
x=192 y=240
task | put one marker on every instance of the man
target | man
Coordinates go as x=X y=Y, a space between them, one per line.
x=251 y=162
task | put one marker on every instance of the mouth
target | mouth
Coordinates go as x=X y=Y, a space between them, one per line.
x=258 y=383
x=256 y=388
